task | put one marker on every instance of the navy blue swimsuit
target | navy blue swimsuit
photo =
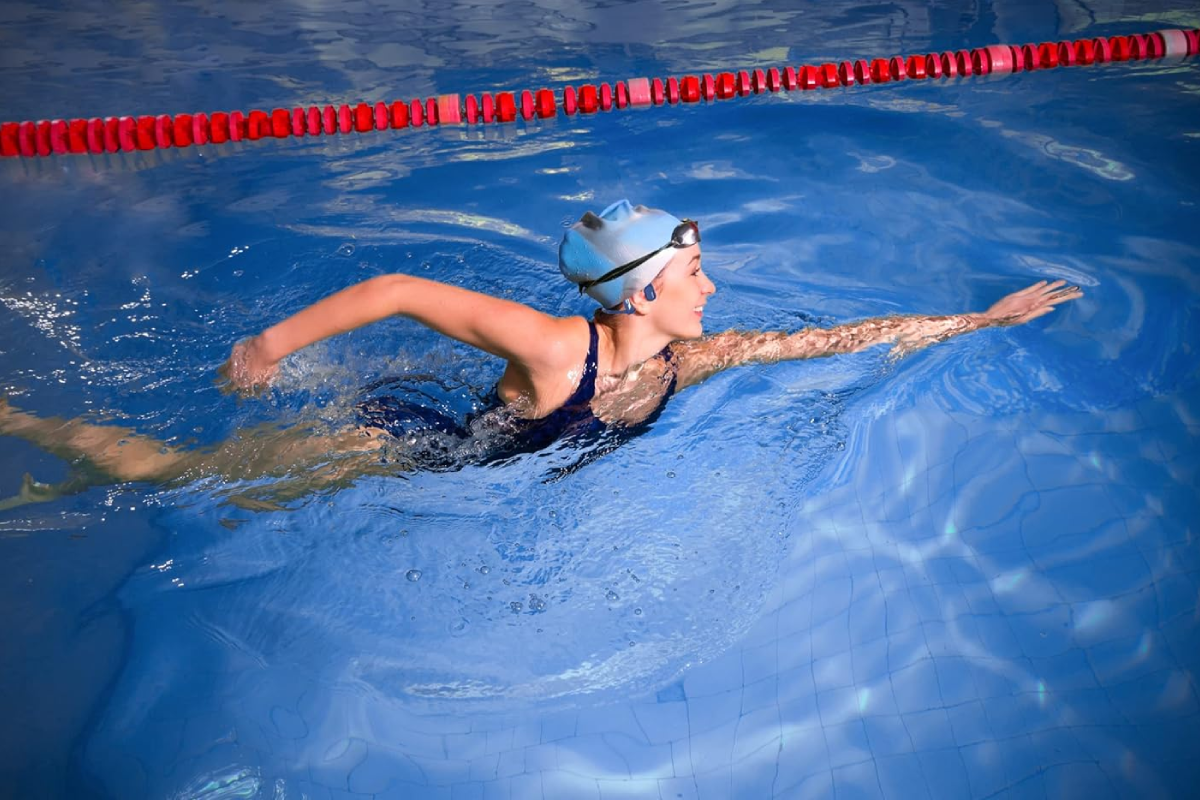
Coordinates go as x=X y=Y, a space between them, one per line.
x=572 y=421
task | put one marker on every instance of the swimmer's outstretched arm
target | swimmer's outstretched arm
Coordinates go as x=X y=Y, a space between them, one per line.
x=529 y=340
x=705 y=357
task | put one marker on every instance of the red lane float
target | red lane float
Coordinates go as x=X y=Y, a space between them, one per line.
x=623 y=94
x=949 y=64
x=77 y=136
x=545 y=103
x=58 y=136
x=658 y=95
x=29 y=139
x=963 y=63
x=200 y=128
x=219 y=126
x=689 y=89
x=1175 y=43
x=639 y=92
x=933 y=65
x=8 y=140
x=589 y=99
x=506 y=108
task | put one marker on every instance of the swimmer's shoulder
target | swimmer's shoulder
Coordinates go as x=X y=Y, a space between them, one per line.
x=566 y=343
x=563 y=349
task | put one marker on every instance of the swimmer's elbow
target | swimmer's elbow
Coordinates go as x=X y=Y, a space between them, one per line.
x=392 y=284
x=401 y=293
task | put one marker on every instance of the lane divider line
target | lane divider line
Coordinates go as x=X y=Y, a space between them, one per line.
x=43 y=138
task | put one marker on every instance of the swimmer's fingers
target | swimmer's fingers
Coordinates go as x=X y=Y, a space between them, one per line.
x=1052 y=298
x=1063 y=295
x=1031 y=302
x=1037 y=287
x=1048 y=302
x=1032 y=315
x=241 y=374
x=224 y=382
x=227 y=385
x=1041 y=287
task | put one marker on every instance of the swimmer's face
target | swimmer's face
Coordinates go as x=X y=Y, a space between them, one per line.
x=683 y=289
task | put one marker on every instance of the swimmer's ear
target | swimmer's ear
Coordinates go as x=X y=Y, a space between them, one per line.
x=641 y=301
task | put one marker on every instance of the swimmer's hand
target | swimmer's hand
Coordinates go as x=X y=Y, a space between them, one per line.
x=1031 y=303
x=249 y=370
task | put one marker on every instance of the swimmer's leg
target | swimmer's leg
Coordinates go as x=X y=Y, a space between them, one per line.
x=36 y=492
x=274 y=451
x=120 y=453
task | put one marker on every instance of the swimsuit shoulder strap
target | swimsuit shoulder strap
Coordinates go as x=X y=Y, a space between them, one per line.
x=591 y=365
x=587 y=382
x=667 y=354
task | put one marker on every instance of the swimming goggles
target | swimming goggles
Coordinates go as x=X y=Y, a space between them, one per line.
x=686 y=234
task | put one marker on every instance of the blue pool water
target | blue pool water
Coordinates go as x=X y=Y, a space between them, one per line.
x=969 y=573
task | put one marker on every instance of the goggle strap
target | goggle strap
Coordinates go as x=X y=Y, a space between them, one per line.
x=677 y=241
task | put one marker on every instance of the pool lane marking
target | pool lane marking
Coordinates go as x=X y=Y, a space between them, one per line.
x=43 y=138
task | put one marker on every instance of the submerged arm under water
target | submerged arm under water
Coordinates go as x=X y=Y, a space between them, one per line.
x=704 y=358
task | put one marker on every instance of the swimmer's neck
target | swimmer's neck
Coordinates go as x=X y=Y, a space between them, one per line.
x=626 y=341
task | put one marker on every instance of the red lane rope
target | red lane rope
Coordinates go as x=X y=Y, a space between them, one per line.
x=30 y=139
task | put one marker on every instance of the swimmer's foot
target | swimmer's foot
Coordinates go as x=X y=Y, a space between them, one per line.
x=11 y=418
x=34 y=492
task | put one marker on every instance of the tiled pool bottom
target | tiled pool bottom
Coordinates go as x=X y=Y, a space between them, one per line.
x=940 y=629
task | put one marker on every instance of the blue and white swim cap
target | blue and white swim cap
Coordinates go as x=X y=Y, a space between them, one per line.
x=621 y=233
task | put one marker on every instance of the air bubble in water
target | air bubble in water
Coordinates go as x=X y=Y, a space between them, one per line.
x=413 y=575
x=611 y=596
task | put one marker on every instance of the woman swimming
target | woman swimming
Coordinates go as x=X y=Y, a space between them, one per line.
x=563 y=374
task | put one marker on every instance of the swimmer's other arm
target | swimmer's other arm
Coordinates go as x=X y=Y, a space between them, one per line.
x=527 y=338
x=705 y=357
